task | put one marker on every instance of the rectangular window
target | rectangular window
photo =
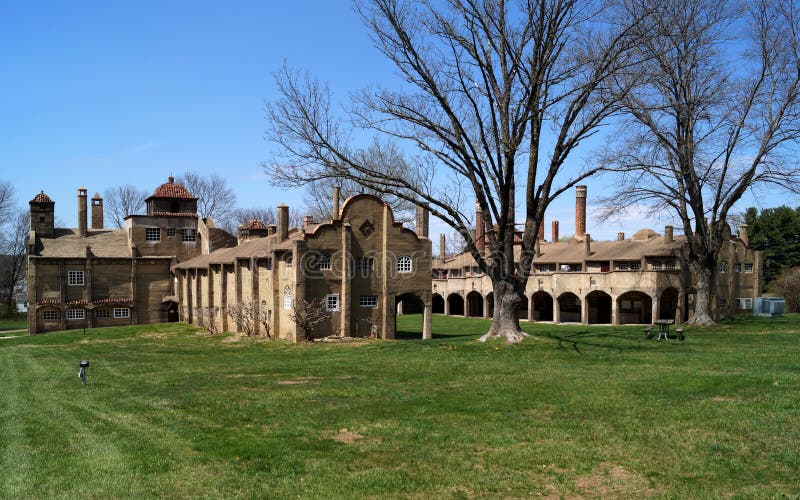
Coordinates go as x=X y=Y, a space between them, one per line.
x=723 y=302
x=75 y=278
x=656 y=265
x=170 y=231
x=744 y=303
x=101 y=313
x=737 y=268
x=629 y=266
x=332 y=302
x=50 y=315
x=670 y=265
x=152 y=234
x=366 y=264
x=748 y=268
x=287 y=298
x=122 y=312
x=723 y=267
x=546 y=268
x=188 y=235
x=368 y=301
x=324 y=262
x=76 y=314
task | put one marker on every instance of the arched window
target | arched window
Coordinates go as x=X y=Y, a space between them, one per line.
x=287 y=298
x=404 y=264
x=723 y=266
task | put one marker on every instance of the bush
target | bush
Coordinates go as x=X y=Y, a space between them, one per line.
x=787 y=285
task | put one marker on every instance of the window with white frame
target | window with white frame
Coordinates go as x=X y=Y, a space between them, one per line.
x=76 y=314
x=287 y=298
x=324 y=262
x=669 y=265
x=748 y=267
x=656 y=265
x=122 y=312
x=170 y=231
x=404 y=264
x=188 y=235
x=368 y=301
x=546 y=268
x=366 y=264
x=152 y=234
x=629 y=266
x=723 y=266
x=332 y=302
x=75 y=278
x=744 y=303
x=50 y=315
x=101 y=313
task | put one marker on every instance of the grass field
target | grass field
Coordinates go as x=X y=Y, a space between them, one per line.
x=16 y=324
x=574 y=411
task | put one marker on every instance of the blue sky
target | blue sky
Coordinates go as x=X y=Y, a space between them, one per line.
x=107 y=93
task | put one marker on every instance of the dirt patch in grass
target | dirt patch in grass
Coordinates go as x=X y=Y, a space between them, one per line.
x=722 y=399
x=245 y=375
x=613 y=481
x=345 y=436
x=296 y=381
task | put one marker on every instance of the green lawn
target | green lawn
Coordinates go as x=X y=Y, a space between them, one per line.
x=573 y=411
x=15 y=324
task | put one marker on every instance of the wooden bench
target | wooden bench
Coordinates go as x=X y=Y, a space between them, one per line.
x=679 y=333
x=648 y=333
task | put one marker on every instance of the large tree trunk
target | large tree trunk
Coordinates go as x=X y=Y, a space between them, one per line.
x=702 y=303
x=505 y=323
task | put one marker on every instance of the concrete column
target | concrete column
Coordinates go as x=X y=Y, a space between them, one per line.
x=387 y=312
x=584 y=311
x=614 y=311
x=427 y=332
x=299 y=292
x=679 y=307
x=530 y=308
x=446 y=306
x=556 y=312
x=486 y=307
x=134 y=291
x=654 y=314
x=466 y=306
x=345 y=297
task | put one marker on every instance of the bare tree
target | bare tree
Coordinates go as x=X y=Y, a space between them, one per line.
x=13 y=255
x=483 y=81
x=246 y=316
x=7 y=200
x=205 y=317
x=308 y=315
x=121 y=201
x=215 y=199
x=265 y=319
x=787 y=285
x=714 y=112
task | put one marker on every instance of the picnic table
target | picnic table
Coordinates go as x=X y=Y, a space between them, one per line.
x=663 y=328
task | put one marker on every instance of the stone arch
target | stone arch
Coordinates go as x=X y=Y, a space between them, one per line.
x=474 y=304
x=668 y=305
x=437 y=304
x=569 y=308
x=489 y=303
x=634 y=307
x=455 y=304
x=522 y=308
x=542 y=306
x=598 y=308
x=409 y=303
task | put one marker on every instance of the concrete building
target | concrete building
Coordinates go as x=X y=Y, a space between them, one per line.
x=93 y=276
x=360 y=265
x=634 y=280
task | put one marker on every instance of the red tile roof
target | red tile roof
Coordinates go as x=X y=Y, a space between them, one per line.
x=172 y=189
x=41 y=198
x=253 y=224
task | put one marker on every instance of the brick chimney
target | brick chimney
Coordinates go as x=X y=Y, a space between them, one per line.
x=555 y=230
x=480 y=230
x=743 y=234
x=442 y=246
x=283 y=222
x=423 y=218
x=580 y=211
x=587 y=245
x=541 y=230
x=668 y=234
x=308 y=220
x=82 y=211
x=335 y=203
x=97 y=211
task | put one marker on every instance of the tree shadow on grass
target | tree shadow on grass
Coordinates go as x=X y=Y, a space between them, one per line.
x=596 y=338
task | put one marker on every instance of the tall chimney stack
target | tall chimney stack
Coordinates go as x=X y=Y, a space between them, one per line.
x=555 y=230
x=587 y=245
x=335 y=203
x=668 y=234
x=442 y=246
x=541 y=230
x=580 y=211
x=743 y=234
x=423 y=217
x=480 y=230
x=283 y=222
x=82 y=211
x=97 y=211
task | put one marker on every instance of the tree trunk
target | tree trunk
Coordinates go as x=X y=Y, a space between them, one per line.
x=505 y=322
x=702 y=303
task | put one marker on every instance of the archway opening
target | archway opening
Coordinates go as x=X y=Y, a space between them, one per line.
x=542 y=306
x=569 y=308
x=522 y=308
x=437 y=303
x=598 y=304
x=668 y=304
x=171 y=312
x=408 y=318
x=455 y=304
x=490 y=304
x=635 y=308
x=474 y=305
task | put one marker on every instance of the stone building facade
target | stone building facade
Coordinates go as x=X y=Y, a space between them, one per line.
x=361 y=266
x=94 y=276
x=635 y=280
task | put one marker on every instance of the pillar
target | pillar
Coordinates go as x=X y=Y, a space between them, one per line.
x=486 y=307
x=427 y=332
x=614 y=310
